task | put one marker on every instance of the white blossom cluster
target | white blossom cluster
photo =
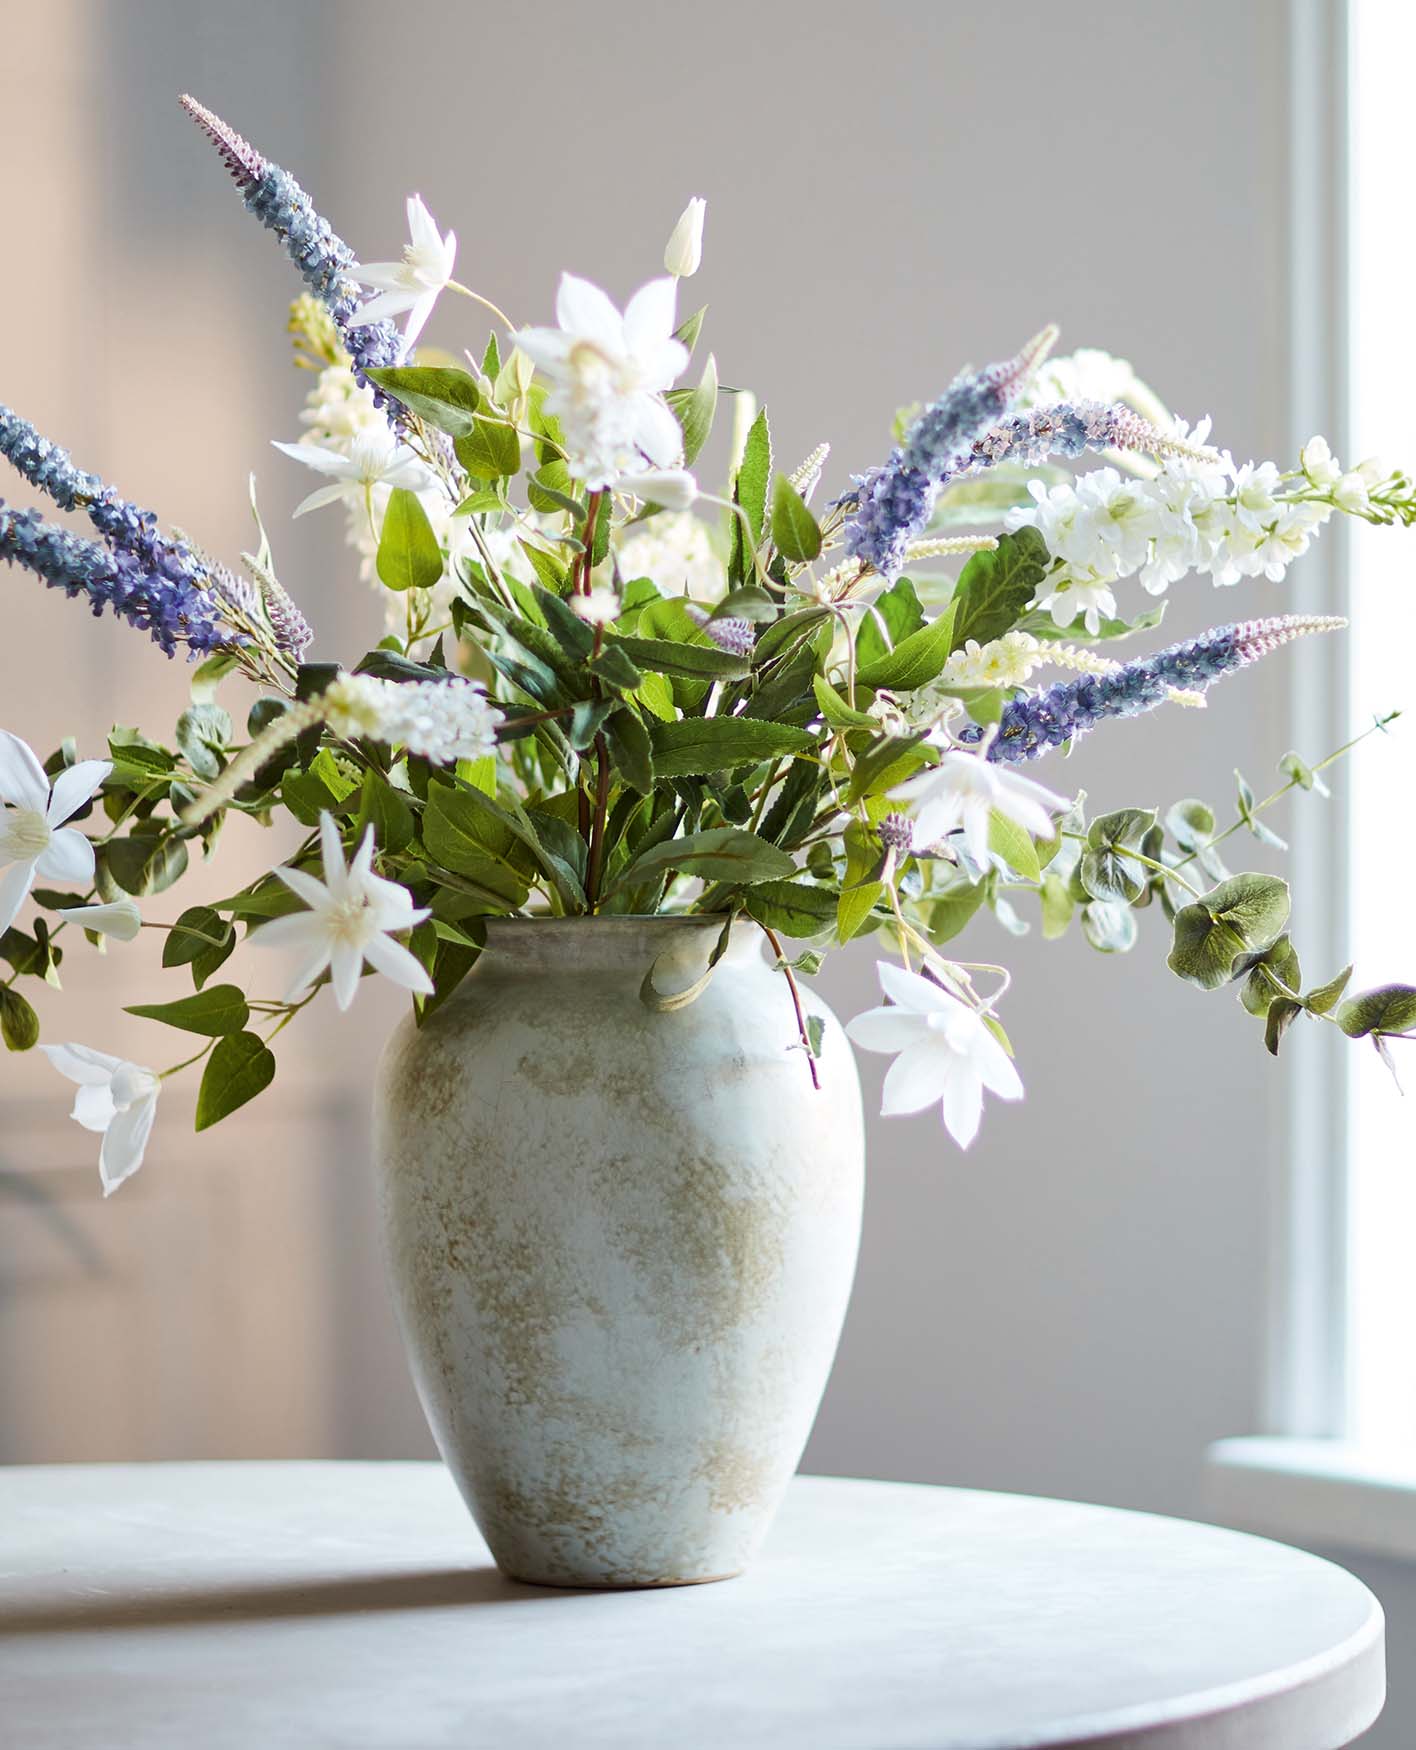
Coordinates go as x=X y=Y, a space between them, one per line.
x=442 y=721
x=675 y=552
x=1214 y=518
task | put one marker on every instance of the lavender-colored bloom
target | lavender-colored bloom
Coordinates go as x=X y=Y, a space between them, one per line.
x=324 y=259
x=732 y=634
x=172 y=610
x=896 y=833
x=893 y=503
x=1067 y=429
x=293 y=632
x=1033 y=724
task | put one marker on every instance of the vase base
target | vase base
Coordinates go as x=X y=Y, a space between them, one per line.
x=620 y=1585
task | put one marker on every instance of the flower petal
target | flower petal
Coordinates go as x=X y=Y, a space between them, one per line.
x=649 y=316
x=975 y=821
x=889 y=1029
x=73 y=787
x=995 y=1068
x=313 y=456
x=346 y=964
x=656 y=432
x=94 y=1108
x=82 y=1064
x=547 y=348
x=15 y=883
x=384 y=274
x=67 y=857
x=911 y=990
x=125 y=1144
x=417 y=319
x=583 y=310
x=298 y=929
x=917 y=1078
x=422 y=227
x=22 y=779
x=385 y=305
x=314 y=892
x=323 y=495
x=122 y=920
x=332 y=854
x=397 y=963
x=963 y=1103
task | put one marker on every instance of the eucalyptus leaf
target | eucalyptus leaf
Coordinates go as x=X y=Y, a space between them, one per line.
x=1242 y=916
x=1390 y=1008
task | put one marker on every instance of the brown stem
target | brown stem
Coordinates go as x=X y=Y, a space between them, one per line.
x=597 y=834
x=587 y=559
x=771 y=936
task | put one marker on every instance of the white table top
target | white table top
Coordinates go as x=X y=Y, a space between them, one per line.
x=354 y=1607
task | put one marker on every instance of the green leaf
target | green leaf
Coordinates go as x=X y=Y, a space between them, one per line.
x=382 y=808
x=19 y=1025
x=838 y=714
x=754 y=471
x=1109 y=926
x=994 y=588
x=439 y=395
x=861 y=887
x=914 y=661
x=690 y=661
x=792 y=908
x=631 y=750
x=1242 y=916
x=202 y=939
x=794 y=529
x=900 y=609
x=886 y=764
x=212 y=1013
x=1281 y=1014
x=1302 y=774
x=1247 y=813
x=570 y=631
x=1014 y=845
x=409 y=556
x=954 y=909
x=468 y=840
x=691 y=327
x=1106 y=870
x=491 y=358
x=490 y=451
x=1390 y=1008
x=694 y=746
x=1326 y=997
x=241 y=1066
x=1057 y=907
x=1257 y=993
x=144 y=863
x=722 y=853
x=552 y=572
x=204 y=735
x=1042 y=626
x=613 y=666
x=207 y=676
x=1191 y=824
x=694 y=409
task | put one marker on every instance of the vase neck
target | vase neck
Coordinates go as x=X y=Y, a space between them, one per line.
x=626 y=946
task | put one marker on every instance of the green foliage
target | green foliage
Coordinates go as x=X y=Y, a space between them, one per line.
x=1242 y=916
x=240 y=1067
x=409 y=556
x=442 y=397
x=1390 y=1008
x=695 y=409
x=214 y=1012
x=722 y=853
x=794 y=530
x=491 y=450
x=994 y=588
x=697 y=745
x=915 y=660
x=19 y=1025
x=899 y=609
x=202 y=939
x=1109 y=869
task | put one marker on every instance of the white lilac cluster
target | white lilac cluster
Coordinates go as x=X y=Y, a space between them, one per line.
x=1214 y=518
x=675 y=552
x=441 y=721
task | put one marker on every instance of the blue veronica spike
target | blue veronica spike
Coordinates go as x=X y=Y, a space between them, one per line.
x=1037 y=722
x=323 y=258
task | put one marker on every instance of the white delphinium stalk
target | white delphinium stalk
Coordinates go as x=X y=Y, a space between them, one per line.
x=944 y=1053
x=412 y=284
x=609 y=372
x=117 y=1100
x=352 y=917
x=806 y=476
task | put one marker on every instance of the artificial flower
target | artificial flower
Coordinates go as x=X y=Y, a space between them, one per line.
x=375 y=458
x=33 y=838
x=412 y=284
x=122 y=920
x=963 y=790
x=670 y=488
x=609 y=372
x=352 y=919
x=684 y=250
x=675 y=552
x=117 y=1100
x=1318 y=462
x=598 y=608
x=945 y=1052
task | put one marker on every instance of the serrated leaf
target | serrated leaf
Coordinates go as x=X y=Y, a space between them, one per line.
x=994 y=588
x=915 y=660
x=695 y=410
x=794 y=529
x=722 y=853
x=213 y=1013
x=443 y=397
x=631 y=750
x=408 y=556
x=838 y=714
x=792 y=908
x=687 y=660
x=241 y=1066
x=491 y=450
x=695 y=746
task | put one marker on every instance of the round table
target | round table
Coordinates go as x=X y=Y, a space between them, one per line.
x=354 y=1607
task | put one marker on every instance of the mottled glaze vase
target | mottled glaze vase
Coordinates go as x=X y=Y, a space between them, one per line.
x=621 y=1243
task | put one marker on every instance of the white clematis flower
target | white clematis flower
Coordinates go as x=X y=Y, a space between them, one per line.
x=117 y=1100
x=609 y=372
x=945 y=1053
x=374 y=458
x=963 y=789
x=412 y=284
x=353 y=917
x=122 y=920
x=33 y=838
x=684 y=251
x=670 y=488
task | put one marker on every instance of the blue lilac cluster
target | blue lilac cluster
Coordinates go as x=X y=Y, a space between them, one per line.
x=1033 y=724
x=893 y=503
x=172 y=611
x=323 y=258
x=151 y=581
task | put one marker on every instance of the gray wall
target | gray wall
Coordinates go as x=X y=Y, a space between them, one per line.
x=1076 y=1306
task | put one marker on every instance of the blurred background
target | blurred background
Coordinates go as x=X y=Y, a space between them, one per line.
x=1088 y=1299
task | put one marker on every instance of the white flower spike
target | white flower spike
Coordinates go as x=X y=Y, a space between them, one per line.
x=33 y=838
x=375 y=458
x=352 y=919
x=684 y=250
x=962 y=791
x=117 y=1100
x=414 y=283
x=945 y=1053
x=609 y=372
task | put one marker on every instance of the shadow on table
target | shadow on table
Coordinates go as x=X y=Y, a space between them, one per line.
x=423 y=1589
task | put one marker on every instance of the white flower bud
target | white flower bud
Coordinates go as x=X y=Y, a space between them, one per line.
x=1319 y=463
x=1373 y=471
x=671 y=488
x=1350 y=493
x=684 y=250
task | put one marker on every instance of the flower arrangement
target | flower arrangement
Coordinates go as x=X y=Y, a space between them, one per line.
x=604 y=690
